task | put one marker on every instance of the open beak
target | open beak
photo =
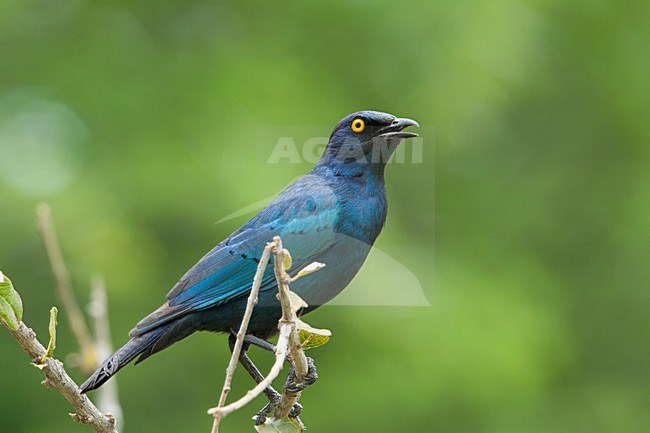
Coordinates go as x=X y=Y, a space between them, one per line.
x=396 y=129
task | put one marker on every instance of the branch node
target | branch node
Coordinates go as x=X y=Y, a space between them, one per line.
x=110 y=418
x=79 y=418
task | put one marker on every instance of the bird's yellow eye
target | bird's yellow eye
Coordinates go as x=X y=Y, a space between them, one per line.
x=358 y=125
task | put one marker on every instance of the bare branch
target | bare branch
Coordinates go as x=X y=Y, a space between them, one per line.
x=234 y=359
x=107 y=397
x=64 y=286
x=57 y=378
x=296 y=354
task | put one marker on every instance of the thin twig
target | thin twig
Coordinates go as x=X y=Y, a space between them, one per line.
x=91 y=350
x=241 y=333
x=280 y=356
x=57 y=378
x=107 y=396
x=64 y=287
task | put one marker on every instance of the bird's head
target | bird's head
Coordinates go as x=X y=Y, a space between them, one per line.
x=365 y=139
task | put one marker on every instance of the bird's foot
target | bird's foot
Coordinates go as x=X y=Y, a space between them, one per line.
x=263 y=414
x=292 y=385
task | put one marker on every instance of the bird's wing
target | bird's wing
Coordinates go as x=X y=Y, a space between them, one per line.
x=304 y=215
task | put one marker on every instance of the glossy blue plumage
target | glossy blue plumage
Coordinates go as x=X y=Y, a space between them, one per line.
x=331 y=215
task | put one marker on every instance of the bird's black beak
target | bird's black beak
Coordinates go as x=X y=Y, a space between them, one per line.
x=396 y=129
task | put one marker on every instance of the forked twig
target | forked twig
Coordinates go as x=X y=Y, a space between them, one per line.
x=288 y=340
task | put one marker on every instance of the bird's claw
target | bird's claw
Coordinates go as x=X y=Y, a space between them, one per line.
x=274 y=398
x=312 y=376
x=291 y=386
x=296 y=410
x=260 y=418
x=263 y=414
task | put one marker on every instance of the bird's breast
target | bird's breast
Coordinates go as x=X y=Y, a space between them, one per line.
x=363 y=210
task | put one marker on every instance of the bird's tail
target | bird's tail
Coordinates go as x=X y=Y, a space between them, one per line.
x=143 y=345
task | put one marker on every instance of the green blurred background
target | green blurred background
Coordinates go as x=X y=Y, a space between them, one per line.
x=527 y=222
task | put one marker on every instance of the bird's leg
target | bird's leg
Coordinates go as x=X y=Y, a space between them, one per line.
x=252 y=370
x=292 y=385
x=259 y=342
x=258 y=377
x=255 y=341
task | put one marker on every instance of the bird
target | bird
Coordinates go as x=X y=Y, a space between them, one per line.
x=332 y=215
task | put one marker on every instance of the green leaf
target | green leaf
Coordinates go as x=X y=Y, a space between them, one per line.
x=311 y=341
x=282 y=425
x=287 y=261
x=310 y=337
x=49 y=353
x=11 y=306
x=7 y=315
